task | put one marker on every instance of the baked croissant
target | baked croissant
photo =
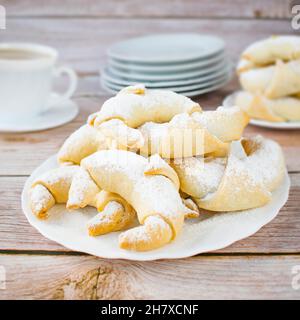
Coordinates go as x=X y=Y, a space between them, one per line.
x=275 y=81
x=276 y=110
x=154 y=197
x=244 y=180
x=196 y=134
x=269 y=73
x=183 y=137
x=88 y=139
x=73 y=185
x=172 y=125
x=136 y=105
x=267 y=51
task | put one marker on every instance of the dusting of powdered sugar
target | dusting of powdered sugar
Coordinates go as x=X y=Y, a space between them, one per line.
x=136 y=107
x=200 y=176
x=118 y=131
x=157 y=225
x=61 y=175
x=82 y=187
x=155 y=193
x=106 y=215
x=39 y=196
x=266 y=162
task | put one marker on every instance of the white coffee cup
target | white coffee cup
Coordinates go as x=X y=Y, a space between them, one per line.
x=26 y=76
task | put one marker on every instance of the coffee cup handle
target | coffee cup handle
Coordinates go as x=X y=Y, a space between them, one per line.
x=73 y=80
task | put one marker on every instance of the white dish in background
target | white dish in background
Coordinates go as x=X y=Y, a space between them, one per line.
x=166 y=68
x=133 y=76
x=182 y=88
x=60 y=113
x=161 y=84
x=229 y=101
x=167 y=48
x=158 y=73
x=208 y=233
x=188 y=93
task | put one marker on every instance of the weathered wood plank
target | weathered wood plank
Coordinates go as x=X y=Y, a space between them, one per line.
x=203 y=277
x=83 y=42
x=154 y=8
x=281 y=235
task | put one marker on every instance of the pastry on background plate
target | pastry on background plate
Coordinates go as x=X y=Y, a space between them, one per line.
x=269 y=73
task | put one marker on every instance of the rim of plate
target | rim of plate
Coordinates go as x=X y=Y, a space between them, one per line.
x=167 y=68
x=184 y=88
x=118 y=50
x=188 y=93
x=39 y=123
x=173 y=72
x=161 y=84
x=168 y=77
x=228 y=102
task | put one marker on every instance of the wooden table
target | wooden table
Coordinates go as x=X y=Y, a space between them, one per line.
x=258 y=267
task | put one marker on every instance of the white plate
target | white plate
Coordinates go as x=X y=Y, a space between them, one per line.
x=208 y=233
x=133 y=76
x=191 y=93
x=57 y=115
x=166 y=68
x=188 y=87
x=288 y=125
x=161 y=84
x=167 y=48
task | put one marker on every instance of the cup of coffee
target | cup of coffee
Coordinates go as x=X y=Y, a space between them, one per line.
x=27 y=72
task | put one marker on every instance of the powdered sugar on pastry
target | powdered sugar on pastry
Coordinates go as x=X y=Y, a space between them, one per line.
x=266 y=160
x=136 y=105
x=182 y=137
x=113 y=217
x=242 y=181
x=225 y=123
x=199 y=176
x=74 y=186
x=122 y=172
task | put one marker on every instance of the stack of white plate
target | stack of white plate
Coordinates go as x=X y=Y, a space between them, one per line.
x=190 y=64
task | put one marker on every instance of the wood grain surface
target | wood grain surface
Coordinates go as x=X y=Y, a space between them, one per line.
x=257 y=267
x=202 y=277
x=155 y=8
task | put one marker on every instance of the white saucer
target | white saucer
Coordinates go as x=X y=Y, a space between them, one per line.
x=166 y=67
x=161 y=84
x=57 y=115
x=207 y=233
x=289 y=125
x=167 y=48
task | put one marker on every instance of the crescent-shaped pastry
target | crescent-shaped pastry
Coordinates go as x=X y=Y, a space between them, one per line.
x=197 y=134
x=182 y=137
x=88 y=139
x=114 y=214
x=279 y=80
x=276 y=110
x=254 y=168
x=54 y=186
x=226 y=124
x=267 y=51
x=73 y=185
x=155 y=198
x=136 y=105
